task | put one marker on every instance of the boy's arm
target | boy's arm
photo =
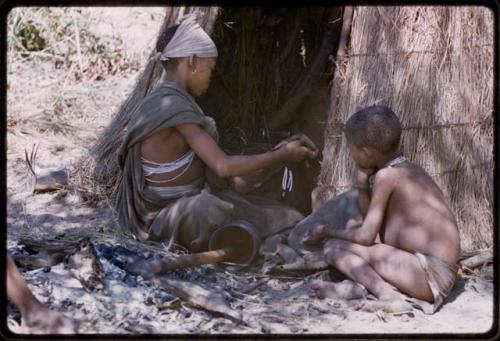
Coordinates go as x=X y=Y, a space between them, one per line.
x=366 y=232
x=362 y=185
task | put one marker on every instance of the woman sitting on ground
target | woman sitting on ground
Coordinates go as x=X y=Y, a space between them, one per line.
x=163 y=193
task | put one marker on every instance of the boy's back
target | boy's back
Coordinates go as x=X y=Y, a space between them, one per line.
x=417 y=218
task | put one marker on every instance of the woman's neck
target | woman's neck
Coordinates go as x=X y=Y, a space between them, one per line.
x=173 y=78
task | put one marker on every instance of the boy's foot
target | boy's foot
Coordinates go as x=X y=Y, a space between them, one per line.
x=389 y=306
x=46 y=321
x=345 y=290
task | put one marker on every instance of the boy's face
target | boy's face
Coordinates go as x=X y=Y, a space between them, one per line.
x=362 y=156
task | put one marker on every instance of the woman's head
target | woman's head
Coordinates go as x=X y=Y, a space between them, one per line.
x=188 y=54
x=162 y=42
x=199 y=73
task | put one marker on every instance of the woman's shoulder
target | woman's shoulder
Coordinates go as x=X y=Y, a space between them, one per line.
x=166 y=99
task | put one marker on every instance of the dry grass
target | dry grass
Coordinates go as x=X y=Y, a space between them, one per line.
x=67 y=38
x=58 y=65
x=434 y=67
x=68 y=69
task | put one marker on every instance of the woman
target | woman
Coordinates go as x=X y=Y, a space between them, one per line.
x=163 y=192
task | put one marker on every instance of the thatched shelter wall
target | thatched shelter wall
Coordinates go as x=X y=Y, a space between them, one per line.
x=434 y=67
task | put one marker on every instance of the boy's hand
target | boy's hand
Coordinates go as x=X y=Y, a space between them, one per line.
x=314 y=235
x=362 y=177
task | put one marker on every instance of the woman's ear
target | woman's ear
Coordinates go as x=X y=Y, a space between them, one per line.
x=193 y=63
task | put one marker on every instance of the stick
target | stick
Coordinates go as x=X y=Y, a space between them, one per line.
x=45 y=180
x=477 y=260
x=77 y=41
x=41 y=260
x=52 y=246
x=314 y=261
x=200 y=297
x=256 y=285
x=30 y=161
x=148 y=269
x=51 y=180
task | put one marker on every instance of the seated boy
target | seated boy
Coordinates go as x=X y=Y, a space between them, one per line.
x=419 y=240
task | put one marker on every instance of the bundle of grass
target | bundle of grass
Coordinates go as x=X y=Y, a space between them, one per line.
x=434 y=67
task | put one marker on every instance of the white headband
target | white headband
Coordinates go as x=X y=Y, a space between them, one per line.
x=189 y=39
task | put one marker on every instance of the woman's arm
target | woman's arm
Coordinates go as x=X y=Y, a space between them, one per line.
x=224 y=165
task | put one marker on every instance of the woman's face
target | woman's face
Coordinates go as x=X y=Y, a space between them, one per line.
x=199 y=78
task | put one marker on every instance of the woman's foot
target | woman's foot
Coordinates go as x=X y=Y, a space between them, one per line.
x=345 y=290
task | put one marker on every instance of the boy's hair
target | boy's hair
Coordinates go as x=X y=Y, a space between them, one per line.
x=375 y=127
x=163 y=41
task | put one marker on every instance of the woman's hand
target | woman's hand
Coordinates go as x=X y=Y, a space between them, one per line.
x=301 y=137
x=298 y=148
x=298 y=151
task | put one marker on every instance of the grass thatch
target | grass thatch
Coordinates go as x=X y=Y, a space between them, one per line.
x=434 y=67
x=267 y=56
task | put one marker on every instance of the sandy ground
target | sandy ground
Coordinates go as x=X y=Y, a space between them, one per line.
x=280 y=306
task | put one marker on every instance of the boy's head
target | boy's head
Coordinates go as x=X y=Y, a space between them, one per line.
x=374 y=128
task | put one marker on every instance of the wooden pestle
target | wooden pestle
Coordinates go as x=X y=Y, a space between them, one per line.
x=151 y=268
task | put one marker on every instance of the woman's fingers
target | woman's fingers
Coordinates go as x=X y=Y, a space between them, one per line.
x=310 y=153
x=302 y=138
x=308 y=142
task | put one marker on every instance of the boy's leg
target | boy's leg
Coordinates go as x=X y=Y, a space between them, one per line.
x=380 y=268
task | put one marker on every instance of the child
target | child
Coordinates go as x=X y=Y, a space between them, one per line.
x=419 y=240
